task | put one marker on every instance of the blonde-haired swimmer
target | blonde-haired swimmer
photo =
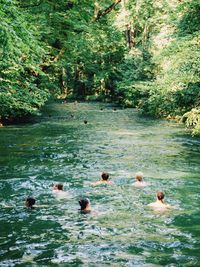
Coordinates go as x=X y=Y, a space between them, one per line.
x=159 y=204
x=139 y=180
x=104 y=179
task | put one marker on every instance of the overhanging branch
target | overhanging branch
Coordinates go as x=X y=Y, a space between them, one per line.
x=102 y=13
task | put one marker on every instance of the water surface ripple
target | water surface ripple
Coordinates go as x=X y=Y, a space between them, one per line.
x=121 y=230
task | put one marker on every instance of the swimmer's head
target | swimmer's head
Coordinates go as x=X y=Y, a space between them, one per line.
x=104 y=176
x=58 y=187
x=84 y=203
x=160 y=196
x=139 y=176
x=30 y=201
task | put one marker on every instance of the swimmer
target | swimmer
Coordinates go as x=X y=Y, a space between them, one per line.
x=59 y=193
x=159 y=204
x=104 y=179
x=57 y=188
x=85 y=121
x=85 y=205
x=30 y=201
x=139 y=180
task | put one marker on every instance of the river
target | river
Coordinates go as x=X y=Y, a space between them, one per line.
x=122 y=230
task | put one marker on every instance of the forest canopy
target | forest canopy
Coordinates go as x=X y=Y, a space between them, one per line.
x=138 y=53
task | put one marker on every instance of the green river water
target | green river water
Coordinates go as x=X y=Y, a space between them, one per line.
x=121 y=230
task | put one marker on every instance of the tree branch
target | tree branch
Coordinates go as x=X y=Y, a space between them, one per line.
x=107 y=10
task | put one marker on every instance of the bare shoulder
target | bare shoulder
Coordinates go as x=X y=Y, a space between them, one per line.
x=158 y=206
x=153 y=204
x=143 y=184
x=96 y=183
x=102 y=183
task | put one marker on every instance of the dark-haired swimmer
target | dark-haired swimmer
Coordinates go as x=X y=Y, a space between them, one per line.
x=104 y=179
x=85 y=205
x=30 y=201
x=159 y=204
x=139 y=180
x=57 y=188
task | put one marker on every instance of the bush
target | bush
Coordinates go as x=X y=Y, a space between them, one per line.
x=192 y=120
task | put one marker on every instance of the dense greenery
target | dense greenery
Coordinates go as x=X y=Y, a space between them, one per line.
x=140 y=53
x=20 y=57
x=162 y=76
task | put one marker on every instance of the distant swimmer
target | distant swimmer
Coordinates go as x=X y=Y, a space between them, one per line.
x=85 y=205
x=85 y=121
x=30 y=201
x=59 y=193
x=57 y=188
x=159 y=204
x=139 y=180
x=104 y=179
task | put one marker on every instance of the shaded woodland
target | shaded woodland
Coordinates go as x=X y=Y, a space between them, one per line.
x=137 y=53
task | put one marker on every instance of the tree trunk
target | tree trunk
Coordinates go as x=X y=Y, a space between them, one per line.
x=129 y=36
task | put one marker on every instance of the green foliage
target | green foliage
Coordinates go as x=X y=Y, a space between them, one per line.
x=136 y=70
x=20 y=57
x=55 y=48
x=84 y=54
x=189 y=23
x=167 y=82
x=176 y=89
x=192 y=120
x=143 y=54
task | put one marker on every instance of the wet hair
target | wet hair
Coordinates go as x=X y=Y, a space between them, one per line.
x=85 y=122
x=30 y=201
x=139 y=176
x=105 y=176
x=59 y=186
x=83 y=203
x=160 y=196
